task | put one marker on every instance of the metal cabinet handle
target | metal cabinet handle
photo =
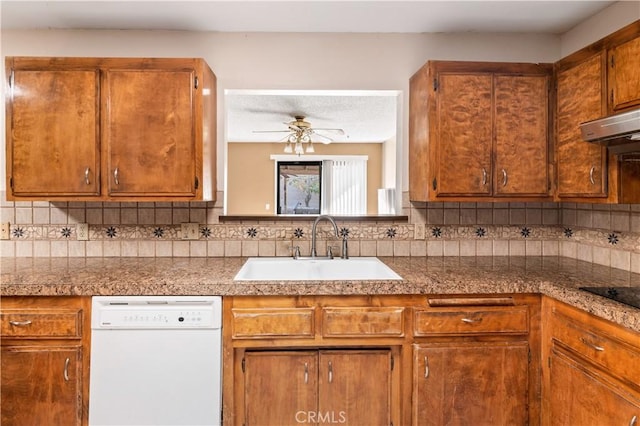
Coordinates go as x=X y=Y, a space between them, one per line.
x=426 y=367
x=115 y=176
x=86 y=176
x=591 y=345
x=591 y=179
x=330 y=372
x=20 y=323
x=484 y=176
x=66 y=369
x=471 y=321
x=505 y=179
x=306 y=373
x=634 y=421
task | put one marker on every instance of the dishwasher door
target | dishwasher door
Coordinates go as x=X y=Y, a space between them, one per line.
x=156 y=361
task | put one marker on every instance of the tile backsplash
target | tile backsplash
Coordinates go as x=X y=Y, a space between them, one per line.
x=603 y=234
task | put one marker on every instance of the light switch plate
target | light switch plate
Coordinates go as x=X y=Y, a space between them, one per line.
x=418 y=231
x=190 y=231
x=4 y=231
x=82 y=231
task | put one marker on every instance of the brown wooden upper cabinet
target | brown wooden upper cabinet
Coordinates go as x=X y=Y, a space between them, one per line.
x=479 y=130
x=601 y=79
x=108 y=129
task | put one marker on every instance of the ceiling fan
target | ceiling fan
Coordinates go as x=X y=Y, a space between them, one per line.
x=300 y=132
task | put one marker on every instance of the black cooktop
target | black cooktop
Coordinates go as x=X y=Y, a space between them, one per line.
x=627 y=295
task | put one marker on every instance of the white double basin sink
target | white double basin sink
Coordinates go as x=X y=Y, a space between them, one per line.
x=314 y=269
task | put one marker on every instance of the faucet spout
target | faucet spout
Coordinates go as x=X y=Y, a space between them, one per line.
x=313 y=231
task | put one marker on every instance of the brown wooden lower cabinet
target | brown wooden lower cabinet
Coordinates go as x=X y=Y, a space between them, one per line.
x=44 y=359
x=480 y=383
x=41 y=385
x=579 y=395
x=350 y=386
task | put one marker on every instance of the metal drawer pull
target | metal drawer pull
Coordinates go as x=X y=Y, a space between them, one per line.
x=591 y=345
x=634 y=421
x=306 y=373
x=86 y=176
x=20 y=323
x=484 y=176
x=470 y=321
x=591 y=179
x=115 y=176
x=505 y=179
x=330 y=372
x=66 y=369
x=426 y=367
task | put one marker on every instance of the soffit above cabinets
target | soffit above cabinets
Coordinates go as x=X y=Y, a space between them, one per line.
x=382 y=16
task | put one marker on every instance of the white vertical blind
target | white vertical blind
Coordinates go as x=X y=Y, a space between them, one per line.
x=345 y=184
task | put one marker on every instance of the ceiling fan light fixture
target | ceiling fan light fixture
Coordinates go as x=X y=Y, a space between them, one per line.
x=298 y=148
x=288 y=149
x=310 y=148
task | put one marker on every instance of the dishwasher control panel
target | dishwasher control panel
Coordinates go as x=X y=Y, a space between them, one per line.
x=155 y=313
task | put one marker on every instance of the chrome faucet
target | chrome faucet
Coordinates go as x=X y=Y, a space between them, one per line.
x=313 y=231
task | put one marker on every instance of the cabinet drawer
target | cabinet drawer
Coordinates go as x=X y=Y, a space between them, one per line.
x=361 y=322
x=273 y=322
x=503 y=320
x=617 y=357
x=41 y=323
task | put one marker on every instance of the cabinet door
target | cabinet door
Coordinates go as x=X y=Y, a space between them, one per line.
x=521 y=125
x=581 y=166
x=464 y=134
x=580 y=396
x=355 y=387
x=150 y=132
x=280 y=388
x=41 y=385
x=624 y=75
x=474 y=383
x=53 y=147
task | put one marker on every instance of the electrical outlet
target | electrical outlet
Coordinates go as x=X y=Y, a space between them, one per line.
x=418 y=231
x=82 y=231
x=4 y=230
x=190 y=231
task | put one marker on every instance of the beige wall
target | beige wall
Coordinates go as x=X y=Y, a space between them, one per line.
x=251 y=174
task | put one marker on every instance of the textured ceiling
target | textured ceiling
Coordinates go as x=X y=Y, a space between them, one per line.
x=365 y=116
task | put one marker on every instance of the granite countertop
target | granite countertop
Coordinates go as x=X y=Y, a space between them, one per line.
x=553 y=276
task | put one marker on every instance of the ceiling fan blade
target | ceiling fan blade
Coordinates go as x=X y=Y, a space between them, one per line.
x=327 y=138
x=338 y=131
x=271 y=131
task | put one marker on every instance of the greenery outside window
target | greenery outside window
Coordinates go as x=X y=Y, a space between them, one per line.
x=299 y=187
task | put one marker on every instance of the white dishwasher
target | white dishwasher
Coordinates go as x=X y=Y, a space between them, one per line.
x=156 y=360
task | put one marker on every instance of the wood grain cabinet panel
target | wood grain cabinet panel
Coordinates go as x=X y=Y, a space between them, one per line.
x=317 y=387
x=106 y=129
x=470 y=383
x=362 y=322
x=581 y=396
x=624 y=75
x=264 y=323
x=502 y=320
x=591 y=369
x=488 y=131
x=53 y=145
x=29 y=323
x=582 y=167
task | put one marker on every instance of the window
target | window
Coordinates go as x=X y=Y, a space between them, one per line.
x=299 y=187
x=334 y=185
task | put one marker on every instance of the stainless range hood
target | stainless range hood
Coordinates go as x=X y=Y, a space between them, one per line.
x=620 y=133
